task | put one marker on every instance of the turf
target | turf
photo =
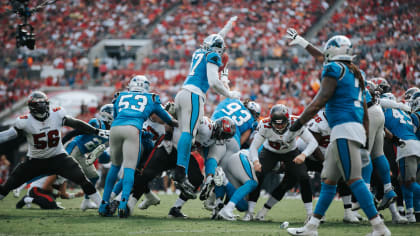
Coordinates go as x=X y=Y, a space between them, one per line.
x=154 y=221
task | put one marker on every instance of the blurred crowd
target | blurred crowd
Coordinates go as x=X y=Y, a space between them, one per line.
x=385 y=34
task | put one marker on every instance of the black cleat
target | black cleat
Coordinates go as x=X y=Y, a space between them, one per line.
x=214 y=215
x=207 y=189
x=123 y=211
x=113 y=206
x=175 y=212
x=21 y=203
x=186 y=188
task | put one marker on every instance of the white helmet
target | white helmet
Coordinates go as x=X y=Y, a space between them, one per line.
x=254 y=108
x=106 y=113
x=139 y=83
x=338 y=48
x=415 y=102
x=215 y=43
x=389 y=96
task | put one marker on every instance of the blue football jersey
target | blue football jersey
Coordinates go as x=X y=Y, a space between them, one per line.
x=346 y=104
x=133 y=108
x=400 y=124
x=87 y=143
x=235 y=109
x=415 y=117
x=198 y=69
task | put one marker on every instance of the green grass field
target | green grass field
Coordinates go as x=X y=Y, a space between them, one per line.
x=154 y=221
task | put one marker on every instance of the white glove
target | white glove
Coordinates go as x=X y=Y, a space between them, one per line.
x=295 y=38
x=219 y=177
x=224 y=77
x=104 y=133
x=95 y=154
x=234 y=94
x=167 y=144
x=233 y=19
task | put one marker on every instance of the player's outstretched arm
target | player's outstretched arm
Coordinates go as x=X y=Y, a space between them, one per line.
x=253 y=151
x=84 y=127
x=228 y=26
x=9 y=134
x=296 y=39
x=216 y=84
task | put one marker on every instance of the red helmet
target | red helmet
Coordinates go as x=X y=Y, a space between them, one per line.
x=224 y=128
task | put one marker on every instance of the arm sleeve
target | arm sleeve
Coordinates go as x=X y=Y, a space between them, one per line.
x=311 y=142
x=255 y=145
x=9 y=134
x=80 y=125
x=71 y=135
x=386 y=103
x=215 y=83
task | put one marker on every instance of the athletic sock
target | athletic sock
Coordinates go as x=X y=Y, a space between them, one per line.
x=243 y=191
x=110 y=181
x=308 y=208
x=28 y=200
x=184 y=149
x=346 y=201
x=382 y=165
x=211 y=165
x=367 y=173
x=271 y=202
x=128 y=181
x=179 y=203
x=251 y=206
x=364 y=197
x=408 y=196
x=325 y=198
x=93 y=181
x=220 y=191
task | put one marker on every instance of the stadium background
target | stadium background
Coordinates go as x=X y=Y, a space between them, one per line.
x=87 y=50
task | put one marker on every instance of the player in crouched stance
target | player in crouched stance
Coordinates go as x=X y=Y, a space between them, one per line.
x=342 y=91
x=45 y=151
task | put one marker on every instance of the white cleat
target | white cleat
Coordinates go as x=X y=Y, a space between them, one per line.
x=261 y=215
x=150 y=200
x=380 y=230
x=307 y=230
x=398 y=219
x=411 y=218
x=16 y=193
x=349 y=217
x=249 y=216
x=360 y=217
x=210 y=202
x=226 y=214
x=88 y=204
x=131 y=204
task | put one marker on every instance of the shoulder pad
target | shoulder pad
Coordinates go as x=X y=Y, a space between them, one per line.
x=24 y=117
x=56 y=109
x=214 y=58
x=334 y=70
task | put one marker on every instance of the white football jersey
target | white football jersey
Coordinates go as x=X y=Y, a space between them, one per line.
x=40 y=182
x=155 y=128
x=203 y=137
x=319 y=124
x=43 y=137
x=274 y=141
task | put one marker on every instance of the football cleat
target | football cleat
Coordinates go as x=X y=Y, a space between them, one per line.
x=398 y=219
x=16 y=192
x=150 y=200
x=226 y=214
x=411 y=218
x=104 y=209
x=388 y=199
x=349 y=217
x=307 y=230
x=123 y=211
x=249 y=216
x=88 y=204
x=210 y=202
x=207 y=188
x=113 y=206
x=261 y=215
x=216 y=210
x=131 y=204
x=175 y=212
x=380 y=230
x=186 y=188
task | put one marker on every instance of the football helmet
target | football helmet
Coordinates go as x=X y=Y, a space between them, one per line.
x=170 y=108
x=389 y=96
x=338 y=48
x=410 y=92
x=224 y=128
x=139 y=83
x=106 y=113
x=214 y=43
x=254 y=108
x=415 y=102
x=279 y=118
x=382 y=84
x=39 y=105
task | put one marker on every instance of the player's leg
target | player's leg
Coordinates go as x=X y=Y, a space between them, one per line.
x=23 y=172
x=131 y=149
x=408 y=171
x=214 y=156
x=43 y=199
x=68 y=168
x=189 y=109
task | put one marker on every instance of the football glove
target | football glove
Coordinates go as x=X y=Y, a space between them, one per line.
x=295 y=38
x=234 y=94
x=95 y=154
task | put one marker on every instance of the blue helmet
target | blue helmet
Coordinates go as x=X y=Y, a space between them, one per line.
x=415 y=102
x=106 y=113
x=214 y=43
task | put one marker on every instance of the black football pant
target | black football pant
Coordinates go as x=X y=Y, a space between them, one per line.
x=61 y=164
x=44 y=199
x=160 y=161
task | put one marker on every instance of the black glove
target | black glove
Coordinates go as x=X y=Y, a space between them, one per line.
x=366 y=144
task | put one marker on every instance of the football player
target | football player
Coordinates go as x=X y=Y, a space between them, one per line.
x=270 y=134
x=45 y=151
x=131 y=109
x=84 y=144
x=342 y=92
x=189 y=102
